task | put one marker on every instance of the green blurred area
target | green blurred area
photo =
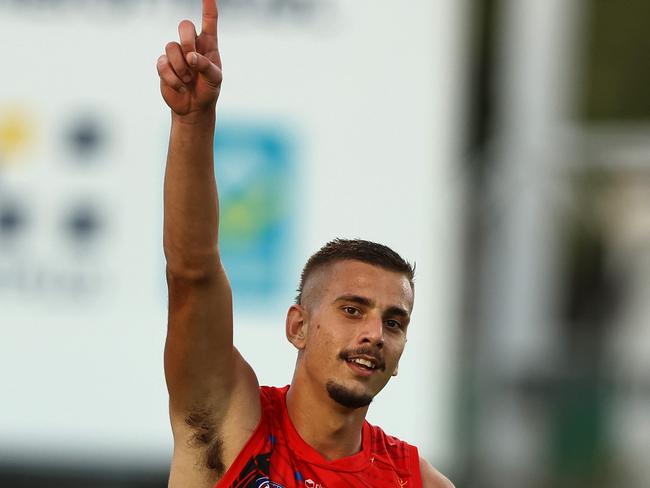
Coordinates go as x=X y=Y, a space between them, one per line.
x=616 y=72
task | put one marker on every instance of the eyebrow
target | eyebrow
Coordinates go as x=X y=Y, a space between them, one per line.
x=367 y=302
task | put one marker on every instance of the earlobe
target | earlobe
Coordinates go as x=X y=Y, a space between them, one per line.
x=296 y=326
x=396 y=370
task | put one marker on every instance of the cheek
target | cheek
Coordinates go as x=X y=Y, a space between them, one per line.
x=397 y=348
x=321 y=343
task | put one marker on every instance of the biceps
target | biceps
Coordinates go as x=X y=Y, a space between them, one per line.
x=199 y=354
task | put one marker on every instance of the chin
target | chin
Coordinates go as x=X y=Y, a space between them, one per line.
x=348 y=397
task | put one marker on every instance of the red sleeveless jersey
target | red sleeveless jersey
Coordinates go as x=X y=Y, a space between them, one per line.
x=277 y=457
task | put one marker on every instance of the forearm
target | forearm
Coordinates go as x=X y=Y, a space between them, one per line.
x=191 y=211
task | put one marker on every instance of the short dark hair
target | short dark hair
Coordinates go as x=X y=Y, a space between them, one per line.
x=357 y=250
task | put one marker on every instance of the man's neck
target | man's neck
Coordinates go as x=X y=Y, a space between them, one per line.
x=331 y=429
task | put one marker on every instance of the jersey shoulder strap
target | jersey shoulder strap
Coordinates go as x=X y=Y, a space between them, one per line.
x=390 y=453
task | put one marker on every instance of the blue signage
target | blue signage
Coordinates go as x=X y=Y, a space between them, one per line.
x=256 y=175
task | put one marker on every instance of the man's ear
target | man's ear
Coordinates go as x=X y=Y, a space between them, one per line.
x=396 y=369
x=296 y=326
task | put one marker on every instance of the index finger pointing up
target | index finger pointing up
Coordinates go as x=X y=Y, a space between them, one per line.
x=210 y=14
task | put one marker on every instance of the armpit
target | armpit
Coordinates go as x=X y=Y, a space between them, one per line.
x=205 y=437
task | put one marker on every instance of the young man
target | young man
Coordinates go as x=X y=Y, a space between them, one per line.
x=348 y=324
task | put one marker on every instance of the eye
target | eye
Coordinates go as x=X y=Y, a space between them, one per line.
x=393 y=324
x=351 y=310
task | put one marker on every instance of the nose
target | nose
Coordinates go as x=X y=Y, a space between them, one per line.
x=373 y=331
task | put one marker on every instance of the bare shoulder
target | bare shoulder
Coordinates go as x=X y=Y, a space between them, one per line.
x=431 y=477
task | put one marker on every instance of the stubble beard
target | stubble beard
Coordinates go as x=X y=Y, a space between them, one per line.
x=347 y=398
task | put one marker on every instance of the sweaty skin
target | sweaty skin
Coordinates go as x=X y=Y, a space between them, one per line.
x=213 y=392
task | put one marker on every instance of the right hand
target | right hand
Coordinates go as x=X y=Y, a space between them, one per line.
x=190 y=71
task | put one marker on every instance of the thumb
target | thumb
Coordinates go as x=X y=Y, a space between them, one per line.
x=205 y=67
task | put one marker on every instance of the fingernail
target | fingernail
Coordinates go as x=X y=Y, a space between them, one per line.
x=182 y=89
x=193 y=59
x=187 y=78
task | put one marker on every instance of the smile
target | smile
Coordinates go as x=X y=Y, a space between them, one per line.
x=362 y=362
x=363 y=367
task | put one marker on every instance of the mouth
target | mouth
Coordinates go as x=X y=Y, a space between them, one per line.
x=363 y=361
x=369 y=364
x=364 y=365
x=360 y=369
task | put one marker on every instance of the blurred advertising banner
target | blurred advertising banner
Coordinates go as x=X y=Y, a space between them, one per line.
x=336 y=119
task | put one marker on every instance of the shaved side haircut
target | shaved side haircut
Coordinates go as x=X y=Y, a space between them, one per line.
x=358 y=250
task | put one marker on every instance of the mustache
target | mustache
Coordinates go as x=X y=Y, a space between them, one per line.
x=370 y=351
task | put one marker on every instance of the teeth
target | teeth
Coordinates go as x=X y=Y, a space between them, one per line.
x=363 y=362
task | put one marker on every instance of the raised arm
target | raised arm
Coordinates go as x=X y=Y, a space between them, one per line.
x=214 y=402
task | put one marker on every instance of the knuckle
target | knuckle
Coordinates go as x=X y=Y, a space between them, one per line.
x=187 y=45
x=171 y=46
x=172 y=81
x=164 y=71
x=186 y=26
x=179 y=66
x=162 y=68
x=167 y=72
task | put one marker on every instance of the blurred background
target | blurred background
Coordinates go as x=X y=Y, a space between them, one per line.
x=502 y=145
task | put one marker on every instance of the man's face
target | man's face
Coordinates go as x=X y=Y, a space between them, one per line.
x=357 y=316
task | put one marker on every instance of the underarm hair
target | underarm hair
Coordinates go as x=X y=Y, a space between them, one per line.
x=206 y=437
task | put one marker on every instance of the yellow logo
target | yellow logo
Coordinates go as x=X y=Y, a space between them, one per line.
x=16 y=133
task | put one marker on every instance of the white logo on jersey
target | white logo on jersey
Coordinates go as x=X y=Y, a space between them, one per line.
x=312 y=484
